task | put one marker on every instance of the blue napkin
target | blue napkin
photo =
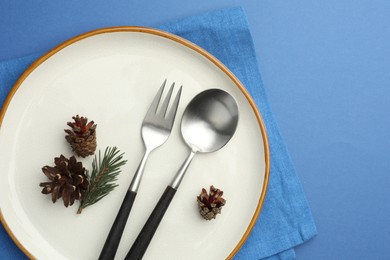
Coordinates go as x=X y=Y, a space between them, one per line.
x=285 y=220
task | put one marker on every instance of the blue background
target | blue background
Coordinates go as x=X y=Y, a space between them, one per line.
x=326 y=71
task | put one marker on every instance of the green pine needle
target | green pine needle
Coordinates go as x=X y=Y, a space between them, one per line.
x=102 y=179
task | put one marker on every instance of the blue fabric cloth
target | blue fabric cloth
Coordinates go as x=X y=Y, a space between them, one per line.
x=285 y=220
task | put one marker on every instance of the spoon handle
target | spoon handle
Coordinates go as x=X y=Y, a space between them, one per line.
x=141 y=243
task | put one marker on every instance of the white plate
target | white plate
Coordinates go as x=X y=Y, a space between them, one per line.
x=111 y=76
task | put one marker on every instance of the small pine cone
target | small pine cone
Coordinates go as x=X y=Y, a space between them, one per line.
x=82 y=136
x=210 y=204
x=67 y=180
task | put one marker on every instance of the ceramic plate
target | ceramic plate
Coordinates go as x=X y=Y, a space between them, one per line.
x=111 y=76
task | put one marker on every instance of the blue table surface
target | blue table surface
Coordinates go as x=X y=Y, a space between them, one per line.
x=326 y=71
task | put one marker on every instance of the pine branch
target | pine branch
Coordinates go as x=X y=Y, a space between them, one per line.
x=102 y=179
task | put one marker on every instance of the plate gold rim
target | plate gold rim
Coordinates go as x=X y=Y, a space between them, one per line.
x=184 y=42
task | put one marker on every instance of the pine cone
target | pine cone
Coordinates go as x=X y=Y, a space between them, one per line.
x=210 y=204
x=67 y=180
x=82 y=136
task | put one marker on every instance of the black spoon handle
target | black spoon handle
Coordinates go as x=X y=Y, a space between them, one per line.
x=141 y=243
x=112 y=242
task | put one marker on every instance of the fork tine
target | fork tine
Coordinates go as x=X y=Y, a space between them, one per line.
x=170 y=117
x=164 y=105
x=153 y=107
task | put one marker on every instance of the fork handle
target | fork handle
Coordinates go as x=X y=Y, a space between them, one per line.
x=141 y=243
x=112 y=242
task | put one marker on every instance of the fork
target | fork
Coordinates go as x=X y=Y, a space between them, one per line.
x=155 y=130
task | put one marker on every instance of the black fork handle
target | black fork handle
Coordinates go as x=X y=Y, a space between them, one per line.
x=112 y=242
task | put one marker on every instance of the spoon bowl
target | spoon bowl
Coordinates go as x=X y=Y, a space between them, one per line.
x=209 y=121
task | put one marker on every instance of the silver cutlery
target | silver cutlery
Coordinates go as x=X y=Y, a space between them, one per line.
x=208 y=123
x=155 y=130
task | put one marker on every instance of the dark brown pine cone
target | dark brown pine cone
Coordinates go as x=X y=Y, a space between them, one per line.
x=67 y=180
x=210 y=204
x=82 y=136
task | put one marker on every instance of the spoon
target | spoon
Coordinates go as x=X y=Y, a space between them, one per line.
x=208 y=123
